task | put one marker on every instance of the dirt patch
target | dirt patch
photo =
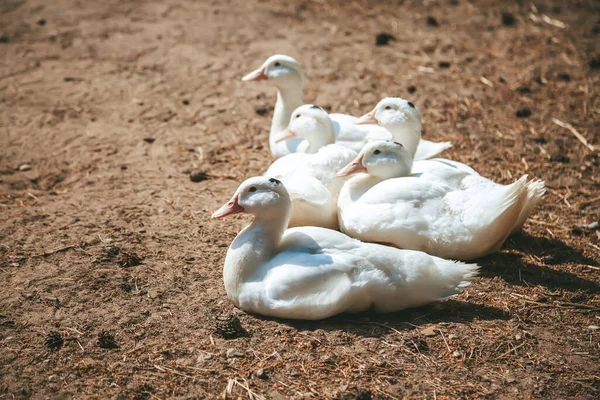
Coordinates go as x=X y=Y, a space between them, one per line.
x=124 y=124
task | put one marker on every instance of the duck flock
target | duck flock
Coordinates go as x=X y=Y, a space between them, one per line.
x=355 y=214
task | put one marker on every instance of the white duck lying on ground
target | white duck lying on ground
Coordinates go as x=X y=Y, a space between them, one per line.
x=403 y=119
x=314 y=273
x=287 y=75
x=311 y=178
x=385 y=204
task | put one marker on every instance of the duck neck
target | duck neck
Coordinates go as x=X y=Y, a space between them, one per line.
x=325 y=137
x=252 y=247
x=288 y=99
x=409 y=136
x=358 y=185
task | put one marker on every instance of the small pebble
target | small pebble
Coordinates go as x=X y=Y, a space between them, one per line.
x=231 y=353
x=262 y=374
x=518 y=337
x=149 y=140
x=523 y=113
x=24 y=167
x=593 y=327
x=593 y=225
x=595 y=63
x=508 y=19
x=429 y=332
x=364 y=395
x=262 y=111
x=383 y=39
x=456 y=353
x=198 y=176
x=431 y=21
x=563 y=76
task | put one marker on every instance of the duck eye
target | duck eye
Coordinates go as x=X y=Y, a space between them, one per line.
x=252 y=189
x=377 y=152
x=388 y=107
x=277 y=64
x=411 y=104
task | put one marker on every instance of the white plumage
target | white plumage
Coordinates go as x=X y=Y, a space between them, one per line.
x=444 y=211
x=314 y=273
x=287 y=75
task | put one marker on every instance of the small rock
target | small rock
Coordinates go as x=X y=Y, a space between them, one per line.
x=431 y=21
x=230 y=327
x=563 y=76
x=364 y=395
x=106 y=340
x=198 y=176
x=231 y=353
x=261 y=373
x=262 y=111
x=383 y=39
x=593 y=225
x=523 y=113
x=429 y=332
x=54 y=341
x=593 y=327
x=456 y=353
x=204 y=357
x=127 y=260
x=518 y=337
x=444 y=64
x=24 y=167
x=149 y=140
x=508 y=19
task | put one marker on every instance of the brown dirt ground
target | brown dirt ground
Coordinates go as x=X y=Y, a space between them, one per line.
x=84 y=83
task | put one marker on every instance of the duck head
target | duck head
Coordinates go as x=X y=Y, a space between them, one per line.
x=399 y=116
x=284 y=71
x=381 y=158
x=311 y=123
x=264 y=198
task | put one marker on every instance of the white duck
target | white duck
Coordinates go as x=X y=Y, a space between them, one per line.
x=387 y=205
x=403 y=120
x=314 y=273
x=287 y=75
x=311 y=178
